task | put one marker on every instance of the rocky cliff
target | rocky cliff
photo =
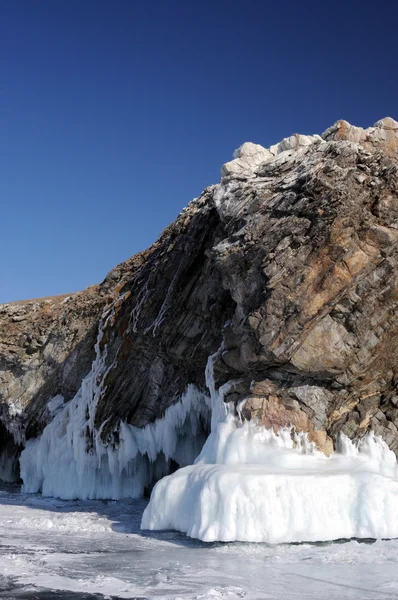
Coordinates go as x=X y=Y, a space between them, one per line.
x=287 y=269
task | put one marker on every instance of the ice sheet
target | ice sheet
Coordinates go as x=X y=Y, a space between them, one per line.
x=94 y=549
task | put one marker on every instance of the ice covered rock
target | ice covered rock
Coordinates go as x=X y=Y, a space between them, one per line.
x=270 y=482
x=69 y=460
x=253 y=485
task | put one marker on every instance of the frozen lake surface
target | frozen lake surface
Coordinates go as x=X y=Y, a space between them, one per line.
x=73 y=550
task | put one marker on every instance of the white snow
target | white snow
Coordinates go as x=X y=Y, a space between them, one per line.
x=250 y=484
x=15 y=407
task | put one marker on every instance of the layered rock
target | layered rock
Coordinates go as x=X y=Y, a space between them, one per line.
x=382 y=136
x=289 y=265
x=46 y=349
x=317 y=295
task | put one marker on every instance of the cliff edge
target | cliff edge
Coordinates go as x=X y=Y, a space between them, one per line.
x=286 y=271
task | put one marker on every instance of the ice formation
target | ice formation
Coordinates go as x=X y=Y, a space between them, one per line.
x=250 y=484
x=69 y=460
x=247 y=484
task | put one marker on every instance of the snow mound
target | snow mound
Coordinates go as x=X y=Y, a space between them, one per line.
x=252 y=485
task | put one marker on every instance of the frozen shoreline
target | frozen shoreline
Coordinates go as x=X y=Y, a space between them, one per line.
x=91 y=550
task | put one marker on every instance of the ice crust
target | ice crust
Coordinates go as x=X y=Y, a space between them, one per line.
x=69 y=460
x=250 y=484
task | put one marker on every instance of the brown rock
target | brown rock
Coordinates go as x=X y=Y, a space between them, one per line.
x=292 y=265
x=273 y=414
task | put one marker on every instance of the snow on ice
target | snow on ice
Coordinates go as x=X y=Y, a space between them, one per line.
x=51 y=548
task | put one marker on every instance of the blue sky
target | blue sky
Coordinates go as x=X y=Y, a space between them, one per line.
x=113 y=115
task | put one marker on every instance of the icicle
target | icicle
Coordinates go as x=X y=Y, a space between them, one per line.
x=218 y=407
x=65 y=462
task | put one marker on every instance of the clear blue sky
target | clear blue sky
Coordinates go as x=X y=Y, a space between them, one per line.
x=113 y=115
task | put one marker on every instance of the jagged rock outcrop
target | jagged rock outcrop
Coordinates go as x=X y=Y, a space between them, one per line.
x=46 y=349
x=382 y=136
x=290 y=263
x=318 y=296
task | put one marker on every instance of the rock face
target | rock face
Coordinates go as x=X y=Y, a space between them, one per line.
x=289 y=265
x=46 y=349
